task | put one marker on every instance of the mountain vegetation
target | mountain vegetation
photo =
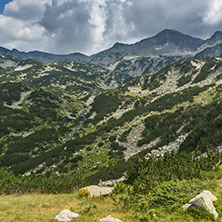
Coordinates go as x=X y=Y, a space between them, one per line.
x=56 y=118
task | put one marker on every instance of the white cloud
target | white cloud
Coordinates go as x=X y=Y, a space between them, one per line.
x=19 y=34
x=214 y=14
x=25 y=10
x=88 y=26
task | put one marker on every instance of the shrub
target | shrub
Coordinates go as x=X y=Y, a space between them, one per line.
x=200 y=214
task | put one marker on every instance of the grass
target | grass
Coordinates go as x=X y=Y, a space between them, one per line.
x=44 y=208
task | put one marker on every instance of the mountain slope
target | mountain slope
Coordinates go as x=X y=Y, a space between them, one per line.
x=96 y=136
x=7 y=61
x=137 y=66
x=70 y=77
x=215 y=50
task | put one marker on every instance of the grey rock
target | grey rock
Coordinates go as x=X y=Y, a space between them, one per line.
x=98 y=191
x=167 y=149
x=110 y=219
x=203 y=201
x=66 y=215
x=112 y=182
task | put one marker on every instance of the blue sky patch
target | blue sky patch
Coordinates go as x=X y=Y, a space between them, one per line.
x=2 y=5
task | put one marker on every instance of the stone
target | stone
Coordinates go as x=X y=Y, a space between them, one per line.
x=66 y=215
x=98 y=191
x=112 y=182
x=203 y=201
x=110 y=219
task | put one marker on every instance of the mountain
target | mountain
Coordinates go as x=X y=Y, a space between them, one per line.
x=212 y=47
x=212 y=51
x=167 y=42
x=215 y=39
x=47 y=127
x=45 y=57
x=144 y=57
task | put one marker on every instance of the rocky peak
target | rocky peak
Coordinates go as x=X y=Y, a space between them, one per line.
x=216 y=37
x=214 y=40
x=172 y=39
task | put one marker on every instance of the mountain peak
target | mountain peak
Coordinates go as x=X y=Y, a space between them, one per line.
x=217 y=33
x=217 y=36
x=214 y=40
x=168 y=31
x=175 y=41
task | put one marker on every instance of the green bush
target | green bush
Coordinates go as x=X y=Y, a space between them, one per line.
x=146 y=174
x=200 y=214
x=11 y=184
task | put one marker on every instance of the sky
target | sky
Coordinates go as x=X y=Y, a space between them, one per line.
x=90 y=26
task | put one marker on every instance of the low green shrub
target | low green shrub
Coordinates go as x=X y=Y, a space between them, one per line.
x=200 y=214
x=11 y=184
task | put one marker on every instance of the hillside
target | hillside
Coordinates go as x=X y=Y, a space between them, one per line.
x=137 y=66
x=44 y=208
x=7 y=61
x=70 y=77
x=50 y=124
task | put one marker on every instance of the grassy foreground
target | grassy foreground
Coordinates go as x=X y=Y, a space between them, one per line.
x=36 y=207
x=42 y=208
x=156 y=191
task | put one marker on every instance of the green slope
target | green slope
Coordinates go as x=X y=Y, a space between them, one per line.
x=178 y=108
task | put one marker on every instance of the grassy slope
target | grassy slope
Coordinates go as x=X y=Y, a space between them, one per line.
x=36 y=207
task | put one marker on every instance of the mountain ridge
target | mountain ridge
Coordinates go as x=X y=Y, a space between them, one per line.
x=157 y=43
x=143 y=57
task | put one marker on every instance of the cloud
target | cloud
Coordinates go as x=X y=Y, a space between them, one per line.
x=68 y=25
x=153 y=16
x=116 y=25
x=214 y=14
x=25 y=10
x=89 y=26
x=16 y=33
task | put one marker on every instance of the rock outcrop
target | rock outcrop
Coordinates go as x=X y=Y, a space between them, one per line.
x=96 y=191
x=203 y=201
x=66 y=215
x=110 y=219
x=171 y=147
x=112 y=182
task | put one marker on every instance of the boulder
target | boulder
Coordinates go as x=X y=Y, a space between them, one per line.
x=203 y=201
x=96 y=191
x=110 y=219
x=66 y=215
